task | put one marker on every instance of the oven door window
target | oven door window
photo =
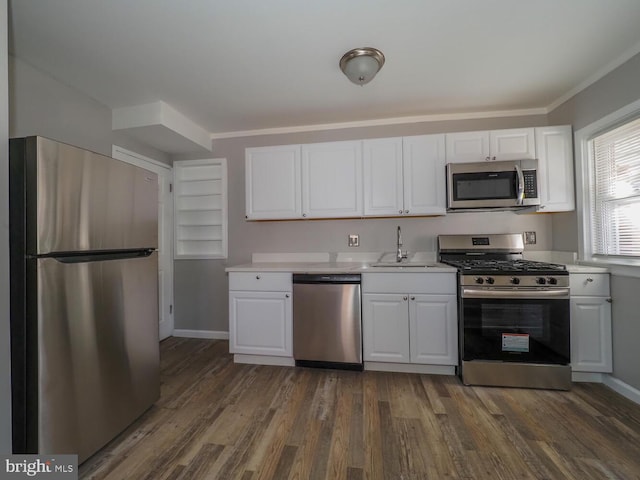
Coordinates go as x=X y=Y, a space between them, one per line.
x=522 y=330
x=485 y=186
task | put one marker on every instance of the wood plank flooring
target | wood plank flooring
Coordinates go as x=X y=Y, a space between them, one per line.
x=220 y=420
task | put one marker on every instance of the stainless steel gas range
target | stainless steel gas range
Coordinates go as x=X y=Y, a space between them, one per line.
x=513 y=313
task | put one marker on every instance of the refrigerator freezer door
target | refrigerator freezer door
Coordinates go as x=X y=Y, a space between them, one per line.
x=98 y=365
x=86 y=201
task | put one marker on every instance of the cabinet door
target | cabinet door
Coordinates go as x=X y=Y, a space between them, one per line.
x=424 y=175
x=591 y=349
x=383 y=187
x=260 y=323
x=512 y=144
x=332 y=180
x=385 y=328
x=272 y=182
x=433 y=329
x=464 y=147
x=555 y=168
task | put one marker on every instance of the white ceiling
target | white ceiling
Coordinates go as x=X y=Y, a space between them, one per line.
x=242 y=65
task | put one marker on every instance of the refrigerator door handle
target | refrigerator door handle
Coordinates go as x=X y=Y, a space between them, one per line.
x=85 y=257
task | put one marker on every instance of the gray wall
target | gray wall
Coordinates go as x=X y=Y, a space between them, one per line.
x=617 y=89
x=201 y=286
x=40 y=105
x=5 y=361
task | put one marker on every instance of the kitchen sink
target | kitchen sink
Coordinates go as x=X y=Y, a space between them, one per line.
x=404 y=264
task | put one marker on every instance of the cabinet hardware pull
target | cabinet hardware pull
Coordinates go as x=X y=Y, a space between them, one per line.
x=257 y=277
x=399 y=211
x=304 y=214
x=404 y=298
x=610 y=300
x=486 y=159
x=413 y=298
x=589 y=280
x=406 y=211
x=286 y=295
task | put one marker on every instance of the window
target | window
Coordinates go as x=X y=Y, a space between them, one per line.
x=200 y=208
x=615 y=191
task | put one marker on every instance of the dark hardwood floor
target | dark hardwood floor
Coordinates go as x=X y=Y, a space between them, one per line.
x=220 y=420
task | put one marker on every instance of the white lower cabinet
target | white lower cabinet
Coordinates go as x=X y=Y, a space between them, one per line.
x=385 y=328
x=433 y=329
x=260 y=321
x=418 y=328
x=591 y=345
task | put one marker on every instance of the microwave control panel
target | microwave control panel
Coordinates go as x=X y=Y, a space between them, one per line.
x=530 y=184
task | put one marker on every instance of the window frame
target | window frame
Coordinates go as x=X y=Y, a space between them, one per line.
x=629 y=266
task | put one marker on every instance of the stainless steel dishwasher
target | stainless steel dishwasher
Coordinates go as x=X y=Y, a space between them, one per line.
x=327 y=321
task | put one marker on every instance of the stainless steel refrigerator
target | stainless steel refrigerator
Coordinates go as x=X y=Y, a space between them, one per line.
x=84 y=296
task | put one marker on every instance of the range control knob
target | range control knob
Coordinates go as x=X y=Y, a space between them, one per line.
x=479 y=280
x=541 y=281
x=552 y=280
x=515 y=280
x=490 y=280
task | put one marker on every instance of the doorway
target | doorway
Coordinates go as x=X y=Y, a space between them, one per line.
x=165 y=233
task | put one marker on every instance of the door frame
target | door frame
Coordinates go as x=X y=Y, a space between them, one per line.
x=165 y=240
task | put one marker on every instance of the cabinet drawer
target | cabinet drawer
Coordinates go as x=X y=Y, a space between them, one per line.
x=589 y=284
x=433 y=283
x=260 y=281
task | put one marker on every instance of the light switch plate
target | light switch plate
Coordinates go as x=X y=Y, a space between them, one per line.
x=354 y=240
x=529 y=238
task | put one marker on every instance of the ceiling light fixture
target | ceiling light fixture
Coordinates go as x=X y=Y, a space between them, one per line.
x=360 y=65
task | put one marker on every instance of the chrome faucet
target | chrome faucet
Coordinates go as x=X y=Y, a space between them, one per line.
x=400 y=255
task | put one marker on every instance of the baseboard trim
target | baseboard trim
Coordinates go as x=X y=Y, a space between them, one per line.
x=622 y=388
x=589 y=377
x=210 y=334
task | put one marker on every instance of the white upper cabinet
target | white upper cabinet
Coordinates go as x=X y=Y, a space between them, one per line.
x=494 y=145
x=273 y=183
x=332 y=180
x=424 y=175
x=404 y=176
x=512 y=144
x=555 y=168
x=383 y=181
x=465 y=147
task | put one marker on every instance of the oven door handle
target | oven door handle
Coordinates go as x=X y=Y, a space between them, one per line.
x=520 y=197
x=552 y=294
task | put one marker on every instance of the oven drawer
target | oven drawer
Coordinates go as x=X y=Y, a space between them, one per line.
x=589 y=284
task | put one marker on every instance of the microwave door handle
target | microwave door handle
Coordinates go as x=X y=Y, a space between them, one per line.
x=520 y=197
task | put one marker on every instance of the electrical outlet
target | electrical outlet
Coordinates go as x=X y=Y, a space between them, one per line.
x=529 y=238
x=354 y=240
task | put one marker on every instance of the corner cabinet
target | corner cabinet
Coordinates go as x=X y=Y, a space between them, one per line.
x=410 y=318
x=260 y=314
x=555 y=168
x=591 y=345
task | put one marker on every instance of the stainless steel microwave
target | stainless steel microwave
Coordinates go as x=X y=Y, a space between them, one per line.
x=507 y=184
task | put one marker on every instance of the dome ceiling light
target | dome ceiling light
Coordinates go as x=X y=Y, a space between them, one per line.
x=360 y=65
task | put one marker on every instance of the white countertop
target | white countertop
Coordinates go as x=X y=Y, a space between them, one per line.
x=338 y=267
x=362 y=262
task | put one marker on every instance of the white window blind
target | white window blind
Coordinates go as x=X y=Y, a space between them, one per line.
x=615 y=201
